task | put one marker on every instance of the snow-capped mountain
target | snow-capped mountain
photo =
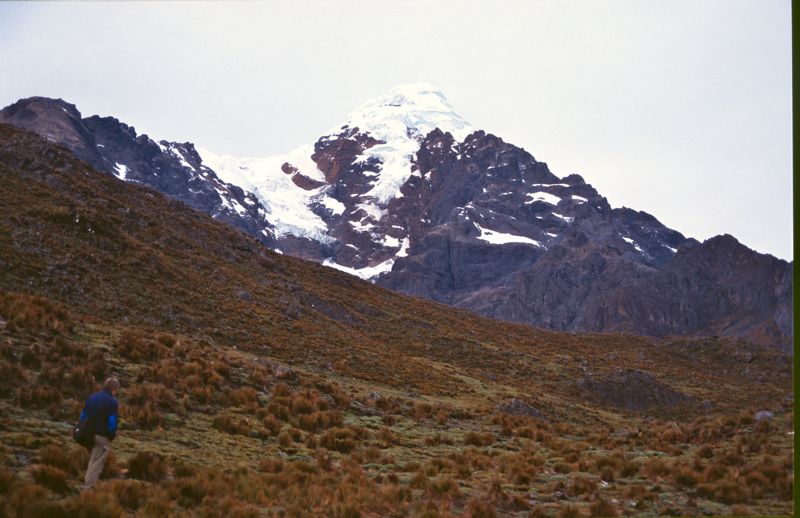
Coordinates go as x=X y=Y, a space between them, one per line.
x=408 y=195
x=366 y=191
x=349 y=176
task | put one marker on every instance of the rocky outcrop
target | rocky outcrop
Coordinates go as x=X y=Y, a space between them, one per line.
x=631 y=390
x=518 y=407
x=336 y=154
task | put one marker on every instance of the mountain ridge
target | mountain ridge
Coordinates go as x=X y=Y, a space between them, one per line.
x=471 y=221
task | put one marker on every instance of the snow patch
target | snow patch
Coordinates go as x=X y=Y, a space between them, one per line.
x=336 y=207
x=542 y=196
x=579 y=199
x=632 y=242
x=240 y=210
x=403 y=252
x=287 y=204
x=223 y=197
x=568 y=219
x=228 y=168
x=177 y=152
x=366 y=273
x=121 y=170
x=391 y=242
x=499 y=238
x=361 y=227
x=373 y=211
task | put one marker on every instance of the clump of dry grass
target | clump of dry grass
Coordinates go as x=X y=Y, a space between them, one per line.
x=234 y=425
x=6 y=479
x=146 y=402
x=582 y=486
x=568 y=511
x=147 y=466
x=442 y=487
x=342 y=439
x=479 y=438
x=135 y=345
x=603 y=508
x=50 y=477
x=519 y=468
x=656 y=467
x=191 y=371
x=317 y=420
x=479 y=508
x=245 y=397
x=684 y=476
x=98 y=502
x=134 y=494
x=34 y=314
x=190 y=491
x=38 y=396
x=29 y=500
x=270 y=465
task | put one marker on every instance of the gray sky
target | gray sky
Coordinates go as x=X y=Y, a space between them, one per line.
x=678 y=108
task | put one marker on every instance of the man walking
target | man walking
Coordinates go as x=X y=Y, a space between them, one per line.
x=102 y=408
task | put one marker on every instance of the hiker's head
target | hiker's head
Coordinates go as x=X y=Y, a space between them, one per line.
x=111 y=385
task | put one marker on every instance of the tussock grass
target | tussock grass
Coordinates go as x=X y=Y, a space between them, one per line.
x=382 y=405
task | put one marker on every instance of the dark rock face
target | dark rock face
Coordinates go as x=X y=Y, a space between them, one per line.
x=481 y=224
x=172 y=168
x=334 y=155
x=631 y=390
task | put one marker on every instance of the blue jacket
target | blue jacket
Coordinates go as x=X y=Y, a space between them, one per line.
x=103 y=407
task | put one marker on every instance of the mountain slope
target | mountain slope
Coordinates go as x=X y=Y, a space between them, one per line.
x=408 y=195
x=172 y=168
x=256 y=381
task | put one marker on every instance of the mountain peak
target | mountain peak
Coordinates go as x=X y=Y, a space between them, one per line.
x=416 y=94
x=31 y=108
x=410 y=110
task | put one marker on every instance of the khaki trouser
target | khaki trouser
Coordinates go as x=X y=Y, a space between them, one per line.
x=97 y=460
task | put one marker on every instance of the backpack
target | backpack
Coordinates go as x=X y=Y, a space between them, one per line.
x=83 y=433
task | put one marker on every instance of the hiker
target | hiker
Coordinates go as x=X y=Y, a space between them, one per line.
x=102 y=408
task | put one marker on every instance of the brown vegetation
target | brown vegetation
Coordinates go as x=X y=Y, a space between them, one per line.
x=238 y=407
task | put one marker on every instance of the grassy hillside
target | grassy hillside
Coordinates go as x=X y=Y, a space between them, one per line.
x=257 y=384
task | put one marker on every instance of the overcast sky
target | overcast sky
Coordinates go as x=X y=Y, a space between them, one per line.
x=678 y=108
